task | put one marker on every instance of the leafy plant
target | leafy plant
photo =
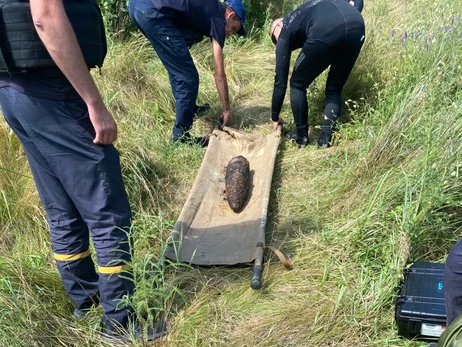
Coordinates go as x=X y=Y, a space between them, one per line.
x=115 y=13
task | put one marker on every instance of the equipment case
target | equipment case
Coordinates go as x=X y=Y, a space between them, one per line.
x=420 y=312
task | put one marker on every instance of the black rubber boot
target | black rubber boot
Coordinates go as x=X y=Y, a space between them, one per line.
x=202 y=141
x=300 y=141
x=327 y=129
x=121 y=336
x=200 y=109
x=324 y=140
x=80 y=313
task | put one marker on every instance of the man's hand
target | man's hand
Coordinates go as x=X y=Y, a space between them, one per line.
x=105 y=126
x=277 y=124
x=225 y=117
x=220 y=80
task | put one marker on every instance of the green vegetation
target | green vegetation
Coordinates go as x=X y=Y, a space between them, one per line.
x=352 y=216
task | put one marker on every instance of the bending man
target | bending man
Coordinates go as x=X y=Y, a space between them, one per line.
x=174 y=25
x=329 y=32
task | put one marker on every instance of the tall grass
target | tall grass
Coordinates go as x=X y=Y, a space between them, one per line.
x=352 y=216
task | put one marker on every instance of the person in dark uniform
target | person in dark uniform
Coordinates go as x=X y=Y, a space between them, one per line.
x=172 y=26
x=453 y=283
x=329 y=33
x=452 y=288
x=67 y=133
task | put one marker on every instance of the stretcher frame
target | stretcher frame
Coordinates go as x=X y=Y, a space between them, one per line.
x=206 y=225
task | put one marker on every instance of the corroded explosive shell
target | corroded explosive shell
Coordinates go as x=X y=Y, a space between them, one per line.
x=237 y=182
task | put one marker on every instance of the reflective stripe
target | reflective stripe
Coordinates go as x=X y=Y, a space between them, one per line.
x=71 y=257
x=107 y=270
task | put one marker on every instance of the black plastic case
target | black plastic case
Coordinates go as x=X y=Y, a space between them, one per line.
x=420 y=312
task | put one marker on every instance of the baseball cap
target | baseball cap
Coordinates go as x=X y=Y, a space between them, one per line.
x=239 y=8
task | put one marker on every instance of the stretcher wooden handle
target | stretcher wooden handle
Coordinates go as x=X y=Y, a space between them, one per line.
x=256 y=275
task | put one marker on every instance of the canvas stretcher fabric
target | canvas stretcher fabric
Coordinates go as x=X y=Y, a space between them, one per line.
x=208 y=232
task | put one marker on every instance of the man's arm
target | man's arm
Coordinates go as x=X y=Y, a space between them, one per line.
x=283 y=54
x=220 y=80
x=57 y=35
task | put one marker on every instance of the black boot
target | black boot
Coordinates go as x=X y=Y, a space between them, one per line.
x=120 y=336
x=186 y=138
x=324 y=140
x=327 y=129
x=300 y=141
x=200 y=109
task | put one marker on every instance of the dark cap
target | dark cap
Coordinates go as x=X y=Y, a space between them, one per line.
x=238 y=7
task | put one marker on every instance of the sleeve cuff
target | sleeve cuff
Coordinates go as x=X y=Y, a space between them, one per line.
x=274 y=117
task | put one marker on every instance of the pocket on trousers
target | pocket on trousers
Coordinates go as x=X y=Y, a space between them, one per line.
x=76 y=111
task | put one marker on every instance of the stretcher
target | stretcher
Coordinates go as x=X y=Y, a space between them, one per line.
x=208 y=232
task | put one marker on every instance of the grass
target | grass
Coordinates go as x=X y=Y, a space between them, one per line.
x=352 y=216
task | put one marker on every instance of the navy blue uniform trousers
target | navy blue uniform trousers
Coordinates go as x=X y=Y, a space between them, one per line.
x=173 y=51
x=453 y=283
x=80 y=185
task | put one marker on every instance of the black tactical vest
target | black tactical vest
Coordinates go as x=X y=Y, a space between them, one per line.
x=21 y=49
